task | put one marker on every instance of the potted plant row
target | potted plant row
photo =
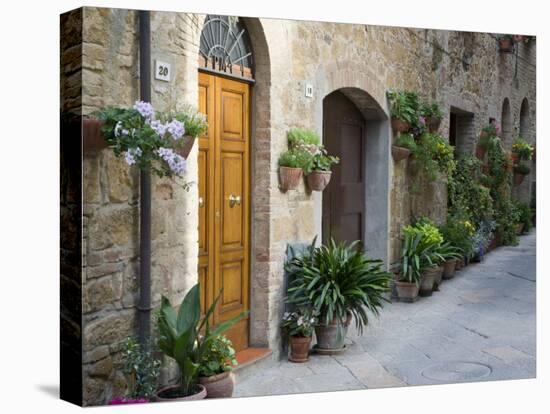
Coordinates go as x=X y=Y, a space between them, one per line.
x=336 y=283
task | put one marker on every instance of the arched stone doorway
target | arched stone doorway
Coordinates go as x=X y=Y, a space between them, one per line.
x=506 y=123
x=356 y=204
x=524 y=121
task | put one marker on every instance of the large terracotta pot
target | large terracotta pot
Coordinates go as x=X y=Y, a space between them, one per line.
x=290 y=177
x=399 y=125
x=480 y=152
x=220 y=385
x=92 y=138
x=327 y=335
x=406 y=292
x=433 y=123
x=449 y=269
x=171 y=394
x=318 y=180
x=518 y=179
x=399 y=153
x=438 y=277
x=299 y=348
x=428 y=280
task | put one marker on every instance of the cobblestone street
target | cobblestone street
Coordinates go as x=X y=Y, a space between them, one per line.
x=481 y=326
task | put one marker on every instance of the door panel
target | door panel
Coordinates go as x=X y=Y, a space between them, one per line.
x=344 y=197
x=224 y=229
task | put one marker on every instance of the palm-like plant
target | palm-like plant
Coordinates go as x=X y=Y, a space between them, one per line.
x=336 y=280
x=182 y=338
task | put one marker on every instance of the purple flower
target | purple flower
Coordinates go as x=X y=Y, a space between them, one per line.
x=176 y=129
x=159 y=128
x=145 y=109
x=131 y=155
x=176 y=162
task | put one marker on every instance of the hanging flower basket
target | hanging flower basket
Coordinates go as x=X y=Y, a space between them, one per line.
x=399 y=153
x=398 y=125
x=518 y=179
x=318 y=180
x=433 y=123
x=92 y=138
x=506 y=44
x=290 y=177
x=186 y=146
x=480 y=152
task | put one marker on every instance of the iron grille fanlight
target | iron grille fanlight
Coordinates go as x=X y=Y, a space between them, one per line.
x=225 y=46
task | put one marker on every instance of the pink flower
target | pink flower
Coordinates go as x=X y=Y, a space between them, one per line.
x=422 y=120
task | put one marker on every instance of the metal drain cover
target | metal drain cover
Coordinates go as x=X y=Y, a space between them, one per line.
x=456 y=371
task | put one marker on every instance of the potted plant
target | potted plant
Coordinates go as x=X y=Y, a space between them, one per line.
x=482 y=238
x=404 y=145
x=318 y=169
x=522 y=150
x=305 y=139
x=449 y=255
x=458 y=232
x=524 y=216
x=404 y=110
x=298 y=326
x=520 y=171
x=410 y=275
x=487 y=134
x=506 y=43
x=433 y=116
x=215 y=368
x=337 y=282
x=185 y=336
x=291 y=167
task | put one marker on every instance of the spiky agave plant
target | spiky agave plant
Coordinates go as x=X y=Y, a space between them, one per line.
x=338 y=279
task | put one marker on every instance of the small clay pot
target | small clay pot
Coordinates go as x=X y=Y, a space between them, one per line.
x=399 y=125
x=318 y=180
x=433 y=123
x=399 y=153
x=219 y=385
x=299 y=348
x=290 y=177
x=438 y=277
x=170 y=394
x=449 y=269
x=427 y=282
x=406 y=292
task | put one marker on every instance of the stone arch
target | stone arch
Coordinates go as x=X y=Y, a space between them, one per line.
x=506 y=122
x=368 y=95
x=524 y=119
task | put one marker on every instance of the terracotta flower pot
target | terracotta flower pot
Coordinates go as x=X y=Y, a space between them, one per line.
x=505 y=44
x=483 y=135
x=299 y=348
x=519 y=228
x=220 y=385
x=460 y=264
x=173 y=392
x=514 y=157
x=290 y=177
x=399 y=125
x=449 y=269
x=186 y=146
x=399 y=153
x=92 y=138
x=406 y=292
x=438 y=277
x=480 y=152
x=428 y=280
x=518 y=179
x=318 y=180
x=327 y=335
x=485 y=169
x=433 y=123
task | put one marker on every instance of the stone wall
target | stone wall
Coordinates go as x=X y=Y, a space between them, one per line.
x=464 y=71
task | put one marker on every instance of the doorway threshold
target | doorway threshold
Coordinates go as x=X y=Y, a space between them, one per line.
x=251 y=356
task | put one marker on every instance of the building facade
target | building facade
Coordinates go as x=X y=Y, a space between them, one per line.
x=330 y=77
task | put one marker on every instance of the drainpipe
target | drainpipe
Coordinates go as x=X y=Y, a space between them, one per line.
x=144 y=306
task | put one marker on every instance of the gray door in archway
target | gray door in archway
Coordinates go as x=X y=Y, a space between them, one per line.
x=344 y=198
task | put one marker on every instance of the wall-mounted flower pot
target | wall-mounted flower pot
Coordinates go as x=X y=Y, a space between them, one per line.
x=515 y=158
x=449 y=269
x=299 y=348
x=505 y=45
x=518 y=179
x=290 y=177
x=186 y=146
x=399 y=125
x=399 y=153
x=433 y=123
x=406 y=292
x=173 y=392
x=480 y=152
x=318 y=180
x=92 y=138
x=219 y=386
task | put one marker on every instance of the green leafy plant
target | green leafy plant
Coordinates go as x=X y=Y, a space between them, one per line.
x=416 y=256
x=299 y=323
x=295 y=158
x=180 y=335
x=405 y=105
x=195 y=122
x=459 y=231
x=522 y=169
x=218 y=357
x=337 y=279
x=490 y=130
x=141 y=368
x=321 y=161
x=297 y=136
x=524 y=213
x=434 y=155
x=522 y=148
x=406 y=141
x=431 y=110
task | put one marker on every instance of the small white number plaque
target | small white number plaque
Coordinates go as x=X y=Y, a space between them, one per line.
x=162 y=71
x=309 y=90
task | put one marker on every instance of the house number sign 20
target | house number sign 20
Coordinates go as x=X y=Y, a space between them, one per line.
x=162 y=71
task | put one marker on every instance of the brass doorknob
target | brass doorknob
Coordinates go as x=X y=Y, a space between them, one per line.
x=201 y=202
x=233 y=199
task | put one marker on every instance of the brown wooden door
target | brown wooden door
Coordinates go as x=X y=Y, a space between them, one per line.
x=224 y=201
x=344 y=197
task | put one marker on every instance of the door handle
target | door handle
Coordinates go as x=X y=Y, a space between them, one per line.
x=201 y=202
x=233 y=199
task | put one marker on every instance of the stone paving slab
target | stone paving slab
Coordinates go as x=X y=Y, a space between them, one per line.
x=481 y=326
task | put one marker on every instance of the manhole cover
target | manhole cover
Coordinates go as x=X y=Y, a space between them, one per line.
x=456 y=371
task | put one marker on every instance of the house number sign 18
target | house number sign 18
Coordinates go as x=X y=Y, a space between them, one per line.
x=162 y=71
